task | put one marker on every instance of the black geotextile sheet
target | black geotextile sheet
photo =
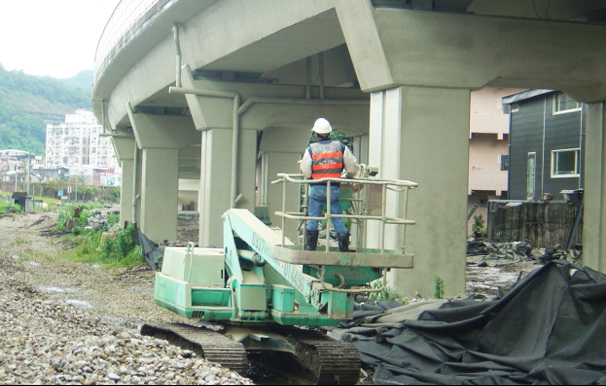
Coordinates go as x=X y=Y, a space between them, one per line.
x=151 y=251
x=550 y=329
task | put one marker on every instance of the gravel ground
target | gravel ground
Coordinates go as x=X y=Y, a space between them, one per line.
x=67 y=322
x=64 y=322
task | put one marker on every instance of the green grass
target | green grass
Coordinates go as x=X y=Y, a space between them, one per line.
x=6 y=207
x=120 y=251
x=51 y=202
x=117 y=251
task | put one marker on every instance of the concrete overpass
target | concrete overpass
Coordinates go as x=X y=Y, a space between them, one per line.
x=224 y=92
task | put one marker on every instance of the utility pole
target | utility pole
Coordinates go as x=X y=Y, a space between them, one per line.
x=29 y=162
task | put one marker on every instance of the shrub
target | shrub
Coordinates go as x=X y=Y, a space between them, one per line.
x=439 y=288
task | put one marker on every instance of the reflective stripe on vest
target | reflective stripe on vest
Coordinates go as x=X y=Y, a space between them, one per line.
x=326 y=159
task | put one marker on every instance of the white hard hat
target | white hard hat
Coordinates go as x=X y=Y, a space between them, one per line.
x=322 y=127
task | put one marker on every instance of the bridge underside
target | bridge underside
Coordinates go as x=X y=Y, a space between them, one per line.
x=225 y=93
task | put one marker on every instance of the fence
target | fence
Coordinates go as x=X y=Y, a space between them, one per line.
x=543 y=224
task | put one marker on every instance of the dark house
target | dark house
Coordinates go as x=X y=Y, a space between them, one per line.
x=546 y=144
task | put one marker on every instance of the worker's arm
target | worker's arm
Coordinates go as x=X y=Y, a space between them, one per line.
x=305 y=164
x=351 y=165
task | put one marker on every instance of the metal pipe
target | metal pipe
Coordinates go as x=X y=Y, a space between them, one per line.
x=135 y=178
x=284 y=210
x=176 y=33
x=384 y=217
x=235 y=153
x=294 y=101
x=200 y=92
x=131 y=111
x=321 y=60
x=103 y=114
x=328 y=216
x=308 y=81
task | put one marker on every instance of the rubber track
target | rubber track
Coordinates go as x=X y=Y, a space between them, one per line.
x=332 y=362
x=208 y=344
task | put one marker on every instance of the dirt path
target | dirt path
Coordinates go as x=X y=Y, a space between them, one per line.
x=124 y=297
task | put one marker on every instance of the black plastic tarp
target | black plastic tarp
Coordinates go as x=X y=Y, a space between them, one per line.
x=549 y=329
x=152 y=252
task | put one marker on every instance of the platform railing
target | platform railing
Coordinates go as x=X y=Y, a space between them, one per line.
x=364 y=191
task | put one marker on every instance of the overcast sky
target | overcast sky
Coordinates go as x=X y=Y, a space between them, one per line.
x=57 y=38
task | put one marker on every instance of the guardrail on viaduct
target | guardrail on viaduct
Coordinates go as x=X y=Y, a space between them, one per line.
x=127 y=20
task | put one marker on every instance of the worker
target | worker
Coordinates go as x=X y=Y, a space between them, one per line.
x=326 y=159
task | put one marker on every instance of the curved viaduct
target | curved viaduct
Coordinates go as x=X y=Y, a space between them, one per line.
x=207 y=100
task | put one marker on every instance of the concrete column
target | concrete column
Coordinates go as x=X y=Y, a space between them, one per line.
x=124 y=147
x=594 y=220
x=159 y=193
x=215 y=181
x=421 y=134
x=126 y=191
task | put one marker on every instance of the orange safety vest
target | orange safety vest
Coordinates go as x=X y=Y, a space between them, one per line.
x=326 y=159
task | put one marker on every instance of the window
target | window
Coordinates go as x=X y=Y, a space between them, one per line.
x=531 y=175
x=565 y=163
x=563 y=104
x=504 y=161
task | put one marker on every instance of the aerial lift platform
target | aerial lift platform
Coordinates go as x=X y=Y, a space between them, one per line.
x=268 y=294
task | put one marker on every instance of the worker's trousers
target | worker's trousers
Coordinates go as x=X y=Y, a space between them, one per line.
x=317 y=199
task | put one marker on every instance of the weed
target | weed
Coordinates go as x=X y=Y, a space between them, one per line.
x=439 y=288
x=386 y=294
x=113 y=218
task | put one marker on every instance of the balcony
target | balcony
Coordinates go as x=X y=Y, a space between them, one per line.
x=488 y=180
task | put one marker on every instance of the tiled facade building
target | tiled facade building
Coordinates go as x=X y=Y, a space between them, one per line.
x=77 y=142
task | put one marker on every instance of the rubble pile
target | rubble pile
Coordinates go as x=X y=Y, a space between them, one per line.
x=99 y=221
x=485 y=253
x=188 y=226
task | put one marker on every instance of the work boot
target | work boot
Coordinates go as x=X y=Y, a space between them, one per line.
x=311 y=240
x=343 y=242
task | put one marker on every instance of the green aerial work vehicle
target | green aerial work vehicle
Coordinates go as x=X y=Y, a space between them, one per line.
x=261 y=285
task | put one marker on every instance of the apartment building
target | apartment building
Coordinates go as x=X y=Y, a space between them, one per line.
x=488 y=149
x=77 y=142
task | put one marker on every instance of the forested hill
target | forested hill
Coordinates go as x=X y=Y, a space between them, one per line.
x=28 y=103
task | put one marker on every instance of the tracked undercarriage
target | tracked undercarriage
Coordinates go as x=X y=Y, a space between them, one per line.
x=320 y=359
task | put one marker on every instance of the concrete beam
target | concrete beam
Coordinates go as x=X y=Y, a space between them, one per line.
x=163 y=131
x=124 y=146
x=393 y=47
x=226 y=38
x=264 y=106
